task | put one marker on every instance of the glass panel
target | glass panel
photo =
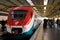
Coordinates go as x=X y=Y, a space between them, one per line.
x=18 y=14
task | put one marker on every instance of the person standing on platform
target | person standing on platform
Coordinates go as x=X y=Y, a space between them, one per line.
x=45 y=24
x=3 y=25
x=58 y=23
x=49 y=23
x=53 y=23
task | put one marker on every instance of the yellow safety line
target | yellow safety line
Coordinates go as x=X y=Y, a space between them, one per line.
x=40 y=34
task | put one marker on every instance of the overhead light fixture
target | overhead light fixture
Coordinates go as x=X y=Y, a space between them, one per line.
x=35 y=8
x=37 y=11
x=45 y=3
x=44 y=8
x=44 y=11
x=31 y=3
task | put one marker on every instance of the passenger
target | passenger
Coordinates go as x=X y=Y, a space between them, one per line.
x=45 y=24
x=58 y=23
x=3 y=25
x=51 y=23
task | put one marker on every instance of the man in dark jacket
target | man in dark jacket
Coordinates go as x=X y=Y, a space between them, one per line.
x=51 y=23
x=58 y=23
x=45 y=24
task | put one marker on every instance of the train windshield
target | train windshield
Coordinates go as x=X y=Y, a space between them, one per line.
x=18 y=14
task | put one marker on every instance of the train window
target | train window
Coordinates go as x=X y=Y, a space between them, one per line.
x=18 y=14
x=12 y=15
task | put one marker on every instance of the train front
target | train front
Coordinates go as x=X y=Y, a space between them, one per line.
x=20 y=22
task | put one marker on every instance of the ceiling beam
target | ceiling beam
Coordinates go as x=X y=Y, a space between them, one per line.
x=51 y=1
x=3 y=14
x=27 y=2
x=10 y=2
x=3 y=4
x=3 y=10
x=6 y=6
x=20 y=2
x=56 y=13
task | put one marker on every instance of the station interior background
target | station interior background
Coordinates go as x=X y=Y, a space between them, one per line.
x=45 y=9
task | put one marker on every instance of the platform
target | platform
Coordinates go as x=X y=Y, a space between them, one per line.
x=51 y=34
x=38 y=34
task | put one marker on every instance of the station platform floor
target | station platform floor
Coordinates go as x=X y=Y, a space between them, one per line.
x=51 y=34
x=48 y=33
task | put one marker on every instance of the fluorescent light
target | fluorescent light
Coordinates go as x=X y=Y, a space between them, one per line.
x=44 y=11
x=44 y=8
x=37 y=11
x=45 y=2
x=35 y=8
x=30 y=2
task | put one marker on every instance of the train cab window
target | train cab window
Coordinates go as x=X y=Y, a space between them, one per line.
x=12 y=15
x=18 y=14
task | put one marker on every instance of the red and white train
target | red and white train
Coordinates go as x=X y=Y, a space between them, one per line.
x=20 y=21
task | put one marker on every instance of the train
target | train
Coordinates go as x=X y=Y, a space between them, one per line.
x=21 y=22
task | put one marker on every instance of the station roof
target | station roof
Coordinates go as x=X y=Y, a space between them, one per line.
x=52 y=7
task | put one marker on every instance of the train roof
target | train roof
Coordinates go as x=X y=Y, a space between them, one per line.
x=22 y=7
